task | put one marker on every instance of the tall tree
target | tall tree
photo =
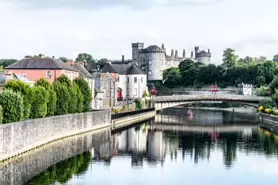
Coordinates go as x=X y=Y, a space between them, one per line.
x=229 y=58
x=64 y=59
x=7 y=62
x=85 y=57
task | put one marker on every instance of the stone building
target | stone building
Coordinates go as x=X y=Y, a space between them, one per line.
x=154 y=60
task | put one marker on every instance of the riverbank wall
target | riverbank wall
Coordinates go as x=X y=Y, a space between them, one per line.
x=269 y=122
x=20 y=137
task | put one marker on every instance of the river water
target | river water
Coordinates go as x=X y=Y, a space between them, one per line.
x=212 y=147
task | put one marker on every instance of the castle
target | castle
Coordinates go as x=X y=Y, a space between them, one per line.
x=154 y=60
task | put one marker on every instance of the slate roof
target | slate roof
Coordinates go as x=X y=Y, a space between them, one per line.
x=127 y=69
x=153 y=48
x=107 y=68
x=82 y=70
x=40 y=63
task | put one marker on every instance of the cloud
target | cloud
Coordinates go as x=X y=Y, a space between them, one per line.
x=99 y=4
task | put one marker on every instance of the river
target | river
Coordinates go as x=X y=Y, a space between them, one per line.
x=212 y=147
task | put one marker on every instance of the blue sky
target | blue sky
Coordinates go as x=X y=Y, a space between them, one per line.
x=106 y=28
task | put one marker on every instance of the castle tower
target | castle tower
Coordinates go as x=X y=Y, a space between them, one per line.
x=172 y=53
x=136 y=47
x=183 y=54
x=196 y=51
x=176 y=54
x=192 y=55
x=162 y=46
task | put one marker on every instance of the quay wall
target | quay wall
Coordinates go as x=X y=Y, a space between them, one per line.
x=269 y=122
x=20 y=137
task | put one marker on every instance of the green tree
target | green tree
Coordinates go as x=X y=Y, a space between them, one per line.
x=102 y=61
x=173 y=78
x=52 y=99
x=1 y=115
x=7 y=62
x=12 y=103
x=260 y=80
x=229 y=58
x=85 y=57
x=25 y=90
x=64 y=59
x=39 y=102
x=73 y=96
x=275 y=58
x=80 y=100
x=63 y=98
x=86 y=91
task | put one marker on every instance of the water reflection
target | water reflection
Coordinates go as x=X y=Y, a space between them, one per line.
x=104 y=158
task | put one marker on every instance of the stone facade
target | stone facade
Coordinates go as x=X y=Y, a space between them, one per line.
x=20 y=137
x=108 y=85
x=154 y=60
x=245 y=89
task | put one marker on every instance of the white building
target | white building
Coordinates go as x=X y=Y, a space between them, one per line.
x=132 y=81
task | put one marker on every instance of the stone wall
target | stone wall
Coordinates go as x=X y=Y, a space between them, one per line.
x=269 y=122
x=20 y=170
x=16 y=138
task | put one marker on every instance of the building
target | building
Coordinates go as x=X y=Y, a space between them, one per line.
x=35 y=68
x=107 y=85
x=154 y=60
x=132 y=81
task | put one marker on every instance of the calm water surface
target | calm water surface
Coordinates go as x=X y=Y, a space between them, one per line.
x=206 y=152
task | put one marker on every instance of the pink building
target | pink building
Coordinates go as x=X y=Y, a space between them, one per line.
x=36 y=68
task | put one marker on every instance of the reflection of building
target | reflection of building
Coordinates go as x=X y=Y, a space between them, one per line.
x=156 y=146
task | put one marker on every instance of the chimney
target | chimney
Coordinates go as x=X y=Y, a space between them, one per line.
x=183 y=54
x=172 y=53
x=123 y=58
x=176 y=54
x=162 y=46
x=53 y=57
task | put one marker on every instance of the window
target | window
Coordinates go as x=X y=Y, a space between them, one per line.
x=48 y=74
x=141 y=79
x=135 y=79
x=150 y=72
x=150 y=62
x=135 y=92
x=127 y=79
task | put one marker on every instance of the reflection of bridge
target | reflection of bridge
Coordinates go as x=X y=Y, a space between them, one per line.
x=162 y=102
x=195 y=128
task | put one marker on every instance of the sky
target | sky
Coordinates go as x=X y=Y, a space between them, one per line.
x=106 y=28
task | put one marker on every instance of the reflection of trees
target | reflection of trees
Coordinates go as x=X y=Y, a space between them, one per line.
x=229 y=149
x=63 y=171
x=268 y=143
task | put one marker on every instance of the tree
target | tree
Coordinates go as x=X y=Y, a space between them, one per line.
x=64 y=59
x=39 y=102
x=85 y=57
x=52 y=98
x=7 y=62
x=12 y=103
x=260 y=80
x=73 y=95
x=86 y=91
x=80 y=100
x=229 y=58
x=275 y=58
x=102 y=61
x=25 y=90
x=63 y=98
x=173 y=78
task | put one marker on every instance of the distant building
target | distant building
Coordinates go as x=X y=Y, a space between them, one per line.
x=35 y=68
x=154 y=60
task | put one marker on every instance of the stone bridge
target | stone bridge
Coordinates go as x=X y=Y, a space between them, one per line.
x=163 y=102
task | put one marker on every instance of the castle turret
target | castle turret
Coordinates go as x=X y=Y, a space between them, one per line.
x=183 y=54
x=162 y=46
x=176 y=54
x=172 y=53
x=196 y=50
x=136 y=47
x=192 y=55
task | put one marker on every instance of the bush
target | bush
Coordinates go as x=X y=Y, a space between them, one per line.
x=63 y=98
x=52 y=98
x=86 y=91
x=260 y=80
x=261 y=108
x=275 y=97
x=267 y=104
x=40 y=98
x=25 y=90
x=80 y=100
x=12 y=103
x=73 y=98
x=1 y=115
x=262 y=91
x=268 y=111
x=275 y=111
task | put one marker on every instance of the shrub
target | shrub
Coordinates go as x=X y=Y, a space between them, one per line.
x=1 y=115
x=261 y=108
x=52 y=98
x=86 y=91
x=25 y=90
x=262 y=91
x=12 y=103
x=260 y=80
x=80 y=100
x=116 y=110
x=267 y=104
x=63 y=98
x=268 y=111
x=275 y=111
x=40 y=98
x=73 y=98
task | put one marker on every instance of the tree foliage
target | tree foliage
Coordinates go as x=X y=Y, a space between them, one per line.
x=13 y=107
x=25 y=90
x=40 y=98
x=7 y=62
x=86 y=91
x=63 y=98
x=85 y=57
